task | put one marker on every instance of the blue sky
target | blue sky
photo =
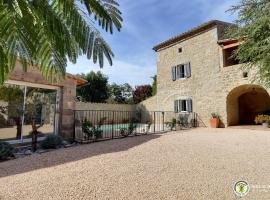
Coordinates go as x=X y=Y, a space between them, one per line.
x=147 y=23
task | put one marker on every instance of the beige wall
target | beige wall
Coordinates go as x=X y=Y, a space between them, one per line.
x=210 y=82
x=104 y=106
x=113 y=113
x=149 y=104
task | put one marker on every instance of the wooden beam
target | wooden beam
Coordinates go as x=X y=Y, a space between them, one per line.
x=231 y=45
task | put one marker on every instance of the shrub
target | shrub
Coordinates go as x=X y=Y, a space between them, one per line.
x=123 y=132
x=98 y=133
x=171 y=124
x=215 y=115
x=3 y=122
x=262 y=119
x=87 y=128
x=90 y=130
x=51 y=142
x=6 y=151
x=131 y=127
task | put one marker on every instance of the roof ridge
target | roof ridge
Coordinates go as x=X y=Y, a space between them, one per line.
x=190 y=32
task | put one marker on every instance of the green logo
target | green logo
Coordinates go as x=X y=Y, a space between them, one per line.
x=241 y=188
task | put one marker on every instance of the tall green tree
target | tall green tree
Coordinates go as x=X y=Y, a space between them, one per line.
x=48 y=33
x=253 y=29
x=120 y=93
x=154 y=85
x=96 y=90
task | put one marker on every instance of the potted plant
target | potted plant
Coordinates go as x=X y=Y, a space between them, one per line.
x=214 y=121
x=171 y=124
x=262 y=119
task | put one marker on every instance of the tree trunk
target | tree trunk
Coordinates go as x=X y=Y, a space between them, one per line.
x=34 y=135
x=19 y=127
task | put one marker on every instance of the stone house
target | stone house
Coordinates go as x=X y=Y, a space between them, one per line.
x=196 y=73
x=55 y=108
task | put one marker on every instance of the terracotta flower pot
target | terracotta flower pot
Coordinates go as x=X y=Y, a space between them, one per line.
x=214 y=122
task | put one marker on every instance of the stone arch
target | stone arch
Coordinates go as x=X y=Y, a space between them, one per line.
x=245 y=102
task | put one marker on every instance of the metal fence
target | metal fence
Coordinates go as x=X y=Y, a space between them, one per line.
x=95 y=125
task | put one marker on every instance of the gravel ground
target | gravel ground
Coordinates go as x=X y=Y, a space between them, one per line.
x=194 y=164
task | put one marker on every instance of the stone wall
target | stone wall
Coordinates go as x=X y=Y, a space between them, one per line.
x=203 y=54
x=149 y=104
x=67 y=99
x=104 y=106
x=210 y=82
x=110 y=113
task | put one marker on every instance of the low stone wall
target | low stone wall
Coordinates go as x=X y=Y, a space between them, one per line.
x=149 y=104
x=104 y=106
x=122 y=112
x=146 y=107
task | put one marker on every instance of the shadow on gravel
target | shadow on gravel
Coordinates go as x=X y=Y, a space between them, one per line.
x=62 y=156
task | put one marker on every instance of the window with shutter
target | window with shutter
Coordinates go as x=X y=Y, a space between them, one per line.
x=189 y=105
x=183 y=105
x=181 y=71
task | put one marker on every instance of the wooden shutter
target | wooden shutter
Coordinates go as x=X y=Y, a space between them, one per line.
x=174 y=73
x=189 y=105
x=179 y=71
x=180 y=105
x=175 y=106
x=188 y=70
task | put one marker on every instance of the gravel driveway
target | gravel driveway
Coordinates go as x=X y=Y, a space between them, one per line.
x=194 y=164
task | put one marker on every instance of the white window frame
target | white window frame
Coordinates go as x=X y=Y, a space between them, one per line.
x=185 y=74
x=184 y=66
x=186 y=99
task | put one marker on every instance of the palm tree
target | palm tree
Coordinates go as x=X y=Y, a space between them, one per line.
x=48 y=33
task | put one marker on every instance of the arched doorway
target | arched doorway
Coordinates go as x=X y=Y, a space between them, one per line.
x=245 y=102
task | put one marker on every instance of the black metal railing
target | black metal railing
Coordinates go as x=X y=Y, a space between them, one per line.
x=95 y=125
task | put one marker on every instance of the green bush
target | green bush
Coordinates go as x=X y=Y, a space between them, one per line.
x=6 y=150
x=131 y=127
x=90 y=130
x=51 y=142
x=171 y=124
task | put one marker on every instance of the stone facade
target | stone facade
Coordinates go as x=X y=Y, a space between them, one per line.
x=210 y=83
x=149 y=104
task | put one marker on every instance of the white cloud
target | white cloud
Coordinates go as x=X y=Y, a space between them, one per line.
x=121 y=71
